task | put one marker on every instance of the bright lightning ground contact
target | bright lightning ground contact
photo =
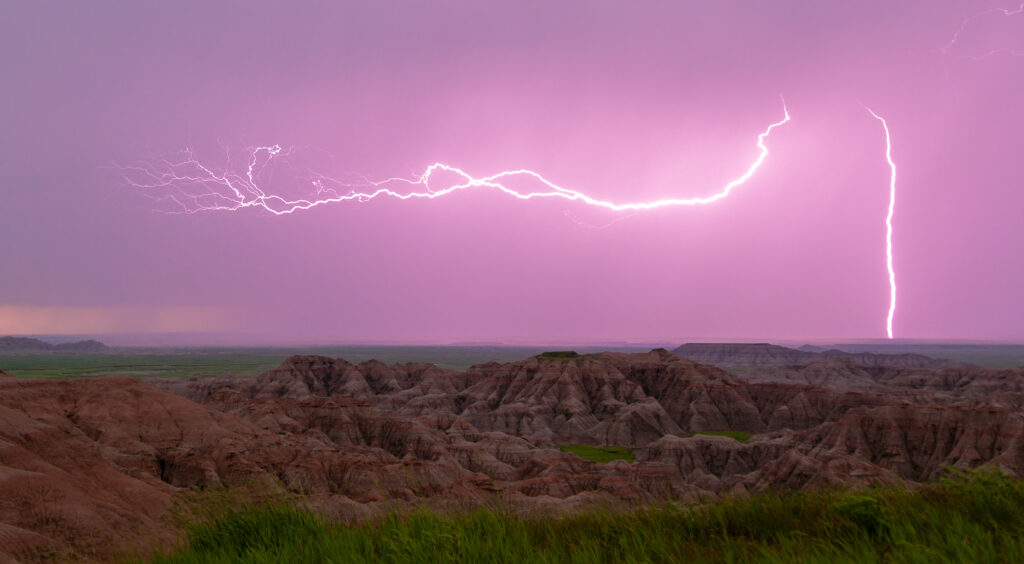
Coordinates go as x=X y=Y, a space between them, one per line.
x=888 y=223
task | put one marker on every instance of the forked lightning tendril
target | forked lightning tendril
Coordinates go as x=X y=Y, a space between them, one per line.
x=194 y=186
x=1018 y=11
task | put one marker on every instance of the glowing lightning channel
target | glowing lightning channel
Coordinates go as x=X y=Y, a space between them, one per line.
x=888 y=222
x=229 y=191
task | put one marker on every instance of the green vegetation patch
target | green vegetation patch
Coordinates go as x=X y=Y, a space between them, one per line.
x=558 y=355
x=600 y=454
x=973 y=517
x=738 y=435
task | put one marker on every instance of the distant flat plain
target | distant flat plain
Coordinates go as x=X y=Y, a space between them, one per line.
x=185 y=362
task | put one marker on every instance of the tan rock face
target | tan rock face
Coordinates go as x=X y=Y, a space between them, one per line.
x=93 y=465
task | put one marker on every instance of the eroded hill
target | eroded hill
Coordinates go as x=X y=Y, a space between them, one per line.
x=94 y=464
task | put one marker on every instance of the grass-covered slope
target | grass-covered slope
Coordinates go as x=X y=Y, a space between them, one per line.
x=600 y=454
x=965 y=518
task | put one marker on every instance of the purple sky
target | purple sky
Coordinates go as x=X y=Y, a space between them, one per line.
x=622 y=101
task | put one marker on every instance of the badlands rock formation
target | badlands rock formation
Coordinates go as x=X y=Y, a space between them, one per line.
x=761 y=355
x=93 y=465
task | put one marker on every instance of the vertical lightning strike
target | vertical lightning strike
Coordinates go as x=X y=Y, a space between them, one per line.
x=888 y=222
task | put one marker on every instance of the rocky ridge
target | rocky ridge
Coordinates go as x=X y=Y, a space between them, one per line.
x=763 y=355
x=29 y=345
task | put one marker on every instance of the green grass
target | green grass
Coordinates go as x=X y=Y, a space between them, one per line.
x=738 y=435
x=965 y=518
x=170 y=362
x=600 y=454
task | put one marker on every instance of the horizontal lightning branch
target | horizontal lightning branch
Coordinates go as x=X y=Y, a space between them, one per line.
x=193 y=186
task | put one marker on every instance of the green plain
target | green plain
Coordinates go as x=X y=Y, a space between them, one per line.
x=211 y=361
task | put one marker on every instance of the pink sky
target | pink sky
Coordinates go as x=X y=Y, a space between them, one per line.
x=622 y=101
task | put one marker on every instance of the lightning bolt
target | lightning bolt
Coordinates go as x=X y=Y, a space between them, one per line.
x=223 y=190
x=966 y=22
x=197 y=187
x=888 y=222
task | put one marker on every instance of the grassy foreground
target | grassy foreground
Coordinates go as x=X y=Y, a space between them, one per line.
x=976 y=517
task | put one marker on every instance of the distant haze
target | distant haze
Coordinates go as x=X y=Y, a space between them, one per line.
x=626 y=101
